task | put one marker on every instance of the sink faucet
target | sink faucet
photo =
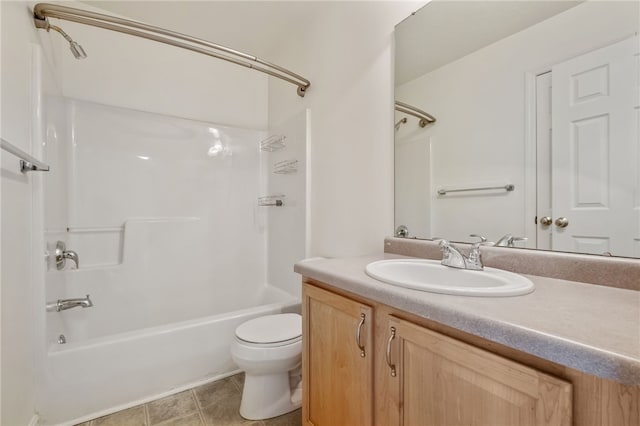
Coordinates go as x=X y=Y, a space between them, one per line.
x=64 y=304
x=454 y=258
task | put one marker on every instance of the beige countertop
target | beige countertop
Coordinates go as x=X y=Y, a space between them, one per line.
x=591 y=328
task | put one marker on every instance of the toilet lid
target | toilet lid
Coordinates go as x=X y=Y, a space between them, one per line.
x=271 y=329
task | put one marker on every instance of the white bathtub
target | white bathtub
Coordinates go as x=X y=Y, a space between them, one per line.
x=96 y=376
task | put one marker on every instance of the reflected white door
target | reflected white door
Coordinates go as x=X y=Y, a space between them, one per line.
x=543 y=160
x=595 y=151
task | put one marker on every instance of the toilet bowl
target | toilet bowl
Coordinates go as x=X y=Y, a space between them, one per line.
x=269 y=350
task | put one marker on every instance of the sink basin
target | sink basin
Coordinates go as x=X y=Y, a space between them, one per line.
x=430 y=275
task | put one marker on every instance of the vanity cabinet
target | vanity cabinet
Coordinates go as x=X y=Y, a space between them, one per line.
x=337 y=364
x=437 y=380
x=418 y=372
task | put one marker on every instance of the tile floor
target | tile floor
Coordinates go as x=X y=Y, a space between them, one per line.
x=213 y=404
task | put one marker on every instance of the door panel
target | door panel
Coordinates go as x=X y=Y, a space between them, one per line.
x=442 y=381
x=543 y=160
x=337 y=383
x=594 y=151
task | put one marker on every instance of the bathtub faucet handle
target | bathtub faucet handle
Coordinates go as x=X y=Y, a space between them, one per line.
x=62 y=254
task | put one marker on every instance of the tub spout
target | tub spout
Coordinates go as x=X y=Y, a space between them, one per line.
x=64 y=304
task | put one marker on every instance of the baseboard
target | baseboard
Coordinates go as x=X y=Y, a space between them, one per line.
x=146 y=399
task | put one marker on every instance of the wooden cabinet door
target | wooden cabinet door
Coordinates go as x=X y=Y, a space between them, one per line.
x=337 y=360
x=442 y=381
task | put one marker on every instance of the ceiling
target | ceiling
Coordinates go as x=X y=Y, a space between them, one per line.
x=446 y=30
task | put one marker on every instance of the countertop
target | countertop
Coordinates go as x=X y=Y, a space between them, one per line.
x=591 y=328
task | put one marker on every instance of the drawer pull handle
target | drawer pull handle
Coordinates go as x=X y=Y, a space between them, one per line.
x=358 y=331
x=392 y=366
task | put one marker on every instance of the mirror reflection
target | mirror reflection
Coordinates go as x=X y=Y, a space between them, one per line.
x=535 y=141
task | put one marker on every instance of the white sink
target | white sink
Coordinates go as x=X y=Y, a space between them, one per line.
x=430 y=275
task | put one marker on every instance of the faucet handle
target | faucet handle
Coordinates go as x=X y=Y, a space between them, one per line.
x=514 y=239
x=444 y=244
x=483 y=239
x=445 y=248
x=474 y=261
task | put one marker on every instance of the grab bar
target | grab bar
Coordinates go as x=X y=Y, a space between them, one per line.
x=27 y=162
x=508 y=187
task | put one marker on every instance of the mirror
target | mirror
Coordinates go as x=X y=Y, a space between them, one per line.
x=537 y=113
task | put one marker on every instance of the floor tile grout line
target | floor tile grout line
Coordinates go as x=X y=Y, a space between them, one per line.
x=195 y=396
x=198 y=407
x=236 y=384
x=201 y=417
x=147 y=416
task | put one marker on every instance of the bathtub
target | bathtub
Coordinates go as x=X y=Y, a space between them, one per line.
x=96 y=376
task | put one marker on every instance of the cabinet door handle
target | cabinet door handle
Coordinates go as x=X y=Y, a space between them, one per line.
x=358 y=331
x=391 y=366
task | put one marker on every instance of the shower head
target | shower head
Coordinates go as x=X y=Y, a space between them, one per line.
x=76 y=49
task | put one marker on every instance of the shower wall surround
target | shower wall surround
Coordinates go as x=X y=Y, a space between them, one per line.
x=162 y=208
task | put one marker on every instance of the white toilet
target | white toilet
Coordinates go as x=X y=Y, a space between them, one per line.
x=269 y=350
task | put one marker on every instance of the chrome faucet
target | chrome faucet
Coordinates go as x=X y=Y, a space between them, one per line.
x=64 y=304
x=62 y=254
x=508 y=241
x=454 y=258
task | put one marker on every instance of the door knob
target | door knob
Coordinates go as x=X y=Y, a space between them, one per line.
x=546 y=220
x=562 y=222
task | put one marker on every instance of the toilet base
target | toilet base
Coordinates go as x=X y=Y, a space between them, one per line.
x=269 y=395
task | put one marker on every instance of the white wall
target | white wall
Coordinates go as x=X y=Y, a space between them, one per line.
x=22 y=261
x=480 y=104
x=347 y=54
x=286 y=225
x=135 y=73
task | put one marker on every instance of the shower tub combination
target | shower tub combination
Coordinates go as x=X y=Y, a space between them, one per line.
x=173 y=251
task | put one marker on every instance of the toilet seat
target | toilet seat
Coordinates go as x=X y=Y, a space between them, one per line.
x=271 y=331
x=268 y=345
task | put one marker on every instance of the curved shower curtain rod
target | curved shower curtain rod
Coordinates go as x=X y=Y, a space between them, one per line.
x=42 y=11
